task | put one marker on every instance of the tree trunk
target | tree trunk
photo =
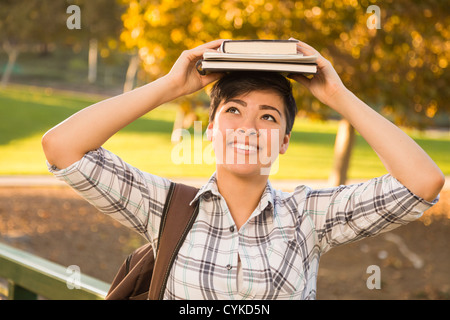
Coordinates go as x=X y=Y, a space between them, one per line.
x=93 y=57
x=12 y=57
x=131 y=73
x=342 y=152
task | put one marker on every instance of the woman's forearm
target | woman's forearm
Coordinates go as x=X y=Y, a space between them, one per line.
x=400 y=154
x=91 y=127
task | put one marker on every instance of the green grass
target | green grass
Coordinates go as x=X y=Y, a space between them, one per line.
x=26 y=113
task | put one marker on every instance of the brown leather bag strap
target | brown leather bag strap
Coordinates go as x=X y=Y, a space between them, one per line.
x=175 y=225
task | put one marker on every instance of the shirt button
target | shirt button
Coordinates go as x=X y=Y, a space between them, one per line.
x=229 y=267
x=232 y=229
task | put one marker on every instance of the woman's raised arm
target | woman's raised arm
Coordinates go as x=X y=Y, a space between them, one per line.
x=403 y=158
x=91 y=127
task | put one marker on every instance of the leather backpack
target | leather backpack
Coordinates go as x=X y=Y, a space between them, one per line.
x=143 y=277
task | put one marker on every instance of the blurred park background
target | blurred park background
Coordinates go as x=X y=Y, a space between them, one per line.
x=56 y=60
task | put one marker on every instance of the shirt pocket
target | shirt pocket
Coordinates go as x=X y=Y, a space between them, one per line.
x=286 y=267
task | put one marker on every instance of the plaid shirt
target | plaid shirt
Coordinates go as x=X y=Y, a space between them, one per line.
x=274 y=255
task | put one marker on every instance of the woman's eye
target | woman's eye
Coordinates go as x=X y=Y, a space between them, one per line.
x=268 y=117
x=232 y=110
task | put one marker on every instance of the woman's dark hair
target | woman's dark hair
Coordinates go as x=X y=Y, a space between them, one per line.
x=235 y=84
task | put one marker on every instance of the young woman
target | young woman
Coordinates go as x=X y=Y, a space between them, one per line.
x=249 y=240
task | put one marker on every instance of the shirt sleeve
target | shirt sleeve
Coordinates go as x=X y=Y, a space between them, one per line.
x=132 y=197
x=349 y=213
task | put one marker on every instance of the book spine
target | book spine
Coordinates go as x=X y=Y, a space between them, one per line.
x=222 y=47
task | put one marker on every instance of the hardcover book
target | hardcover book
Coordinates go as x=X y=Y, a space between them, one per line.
x=257 y=55
x=259 y=46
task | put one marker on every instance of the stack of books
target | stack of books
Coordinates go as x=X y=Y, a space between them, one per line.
x=257 y=55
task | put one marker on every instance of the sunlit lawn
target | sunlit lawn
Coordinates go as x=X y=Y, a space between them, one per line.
x=28 y=112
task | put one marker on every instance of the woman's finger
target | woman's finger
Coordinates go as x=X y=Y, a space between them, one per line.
x=212 y=77
x=304 y=44
x=213 y=44
x=196 y=53
x=305 y=48
x=206 y=46
x=300 y=78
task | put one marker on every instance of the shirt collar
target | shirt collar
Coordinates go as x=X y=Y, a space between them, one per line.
x=267 y=197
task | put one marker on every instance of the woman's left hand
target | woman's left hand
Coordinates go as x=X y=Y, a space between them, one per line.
x=326 y=82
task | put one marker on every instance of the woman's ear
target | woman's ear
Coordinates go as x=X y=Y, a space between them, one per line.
x=209 y=131
x=285 y=143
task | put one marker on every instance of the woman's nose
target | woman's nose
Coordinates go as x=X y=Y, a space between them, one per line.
x=247 y=131
x=248 y=128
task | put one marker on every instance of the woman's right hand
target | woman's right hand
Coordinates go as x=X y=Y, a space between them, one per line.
x=184 y=74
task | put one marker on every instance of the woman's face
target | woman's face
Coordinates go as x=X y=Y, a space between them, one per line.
x=248 y=133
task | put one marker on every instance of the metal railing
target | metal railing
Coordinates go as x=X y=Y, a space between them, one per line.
x=31 y=277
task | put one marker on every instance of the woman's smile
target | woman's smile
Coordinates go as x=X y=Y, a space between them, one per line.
x=244 y=148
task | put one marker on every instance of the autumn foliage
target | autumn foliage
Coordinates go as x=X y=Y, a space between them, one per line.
x=399 y=69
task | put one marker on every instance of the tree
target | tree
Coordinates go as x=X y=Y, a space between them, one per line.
x=101 y=25
x=27 y=23
x=398 y=69
x=24 y=24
